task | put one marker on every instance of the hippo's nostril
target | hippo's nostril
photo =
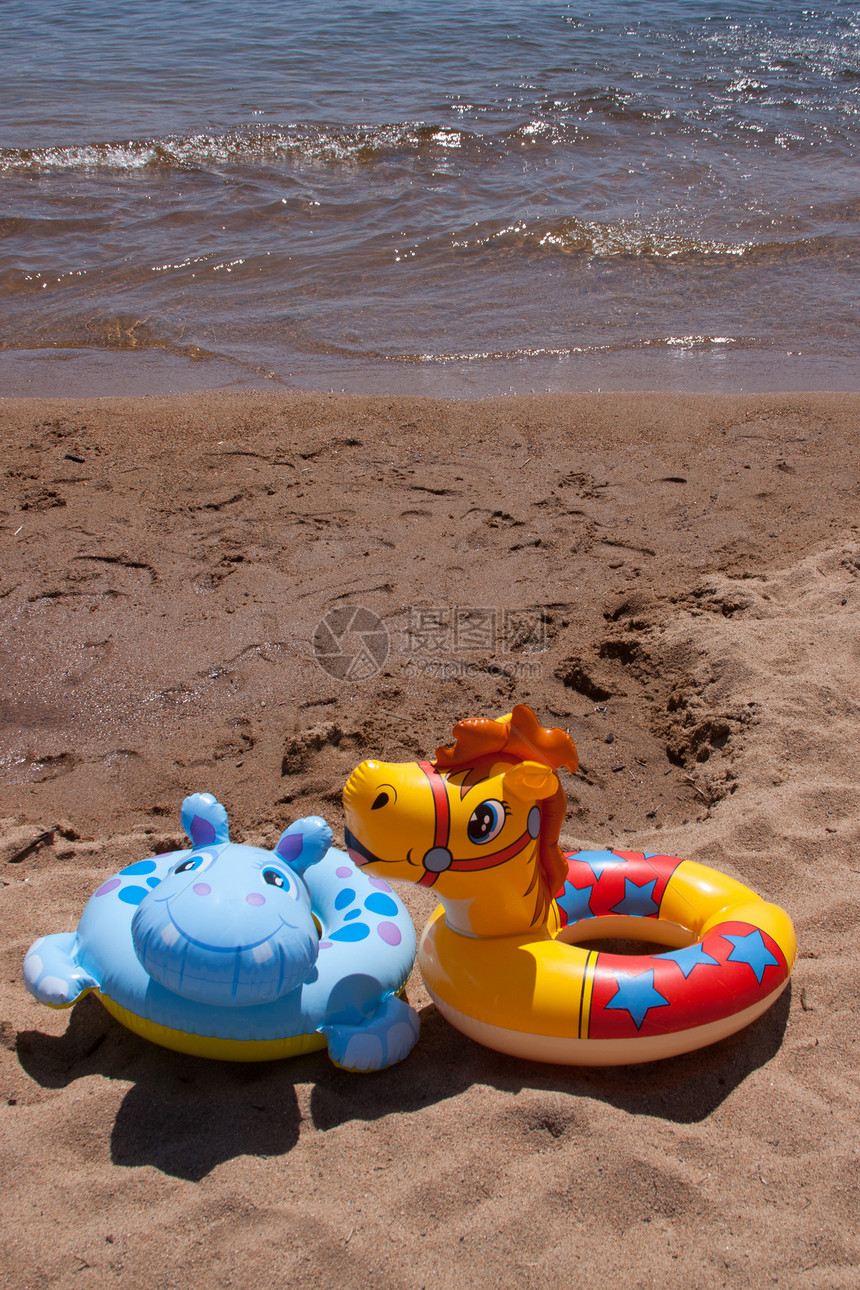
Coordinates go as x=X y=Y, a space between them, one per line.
x=381 y=799
x=202 y=888
x=254 y=898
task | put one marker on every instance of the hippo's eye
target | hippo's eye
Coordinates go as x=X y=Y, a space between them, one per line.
x=486 y=821
x=385 y=795
x=193 y=862
x=275 y=878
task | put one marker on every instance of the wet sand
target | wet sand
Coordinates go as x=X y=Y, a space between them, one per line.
x=675 y=579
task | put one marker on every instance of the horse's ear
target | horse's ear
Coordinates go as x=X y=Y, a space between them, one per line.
x=530 y=781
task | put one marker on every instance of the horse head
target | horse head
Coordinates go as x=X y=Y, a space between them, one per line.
x=479 y=823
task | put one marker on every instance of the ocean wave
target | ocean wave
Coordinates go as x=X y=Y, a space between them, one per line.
x=588 y=120
x=333 y=143
x=572 y=351
x=594 y=239
x=628 y=237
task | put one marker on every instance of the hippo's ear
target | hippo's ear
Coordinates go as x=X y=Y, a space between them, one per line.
x=204 y=819
x=304 y=842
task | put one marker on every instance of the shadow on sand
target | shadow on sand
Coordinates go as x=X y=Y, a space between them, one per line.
x=186 y=1115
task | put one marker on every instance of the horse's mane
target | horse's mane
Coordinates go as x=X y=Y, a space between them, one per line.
x=518 y=738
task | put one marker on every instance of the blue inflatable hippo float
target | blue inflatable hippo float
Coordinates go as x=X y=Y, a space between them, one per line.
x=237 y=953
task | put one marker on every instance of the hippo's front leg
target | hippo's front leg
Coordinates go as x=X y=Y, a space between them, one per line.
x=53 y=974
x=387 y=1036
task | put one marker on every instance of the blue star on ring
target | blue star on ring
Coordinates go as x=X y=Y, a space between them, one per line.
x=750 y=948
x=638 y=899
x=636 y=995
x=690 y=957
x=597 y=861
x=575 y=901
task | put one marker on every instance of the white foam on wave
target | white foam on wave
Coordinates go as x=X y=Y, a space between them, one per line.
x=333 y=143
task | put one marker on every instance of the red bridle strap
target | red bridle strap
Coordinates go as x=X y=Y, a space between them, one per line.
x=495 y=857
x=441 y=804
x=442 y=831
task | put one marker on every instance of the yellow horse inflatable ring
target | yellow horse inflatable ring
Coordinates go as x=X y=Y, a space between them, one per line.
x=479 y=823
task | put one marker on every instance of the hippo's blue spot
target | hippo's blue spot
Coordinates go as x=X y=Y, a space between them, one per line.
x=153 y=882
x=142 y=867
x=132 y=895
x=355 y=932
x=353 y=913
x=344 y=898
x=379 y=903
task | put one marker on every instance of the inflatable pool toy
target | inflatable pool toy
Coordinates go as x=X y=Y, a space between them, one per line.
x=238 y=953
x=479 y=824
x=234 y=952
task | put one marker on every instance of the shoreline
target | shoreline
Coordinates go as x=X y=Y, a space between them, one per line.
x=673 y=577
x=682 y=365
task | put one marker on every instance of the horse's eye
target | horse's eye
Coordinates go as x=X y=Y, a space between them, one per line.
x=274 y=878
x=385 y=795
x=486 y=822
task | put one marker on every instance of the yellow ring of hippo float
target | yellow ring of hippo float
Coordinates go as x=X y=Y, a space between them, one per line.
x=479 y=824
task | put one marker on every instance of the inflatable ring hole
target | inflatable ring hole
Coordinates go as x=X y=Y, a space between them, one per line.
x=317 y=925
x=620 y=934
x=624 y=946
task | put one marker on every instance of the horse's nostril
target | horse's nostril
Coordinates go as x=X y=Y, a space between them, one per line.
x=381 y=799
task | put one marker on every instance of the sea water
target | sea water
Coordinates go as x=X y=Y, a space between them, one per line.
x=428 y=196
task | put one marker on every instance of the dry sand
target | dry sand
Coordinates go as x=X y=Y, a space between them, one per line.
x=693 y=563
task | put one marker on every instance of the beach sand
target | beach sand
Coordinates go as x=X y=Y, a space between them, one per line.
x=690 y=568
